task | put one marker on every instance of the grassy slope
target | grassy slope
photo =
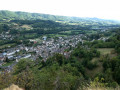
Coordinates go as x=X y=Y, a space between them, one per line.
x=99 y=69
x=7 y=45
x=104 y=51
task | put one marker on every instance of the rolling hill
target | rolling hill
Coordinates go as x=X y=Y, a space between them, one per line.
x=9 y=15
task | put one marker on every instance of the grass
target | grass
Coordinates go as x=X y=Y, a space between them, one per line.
x=66 y=32
x=9 y=63
x=27 y=27
x=30 y=35
x=59 y=35
x=91 y=32
x=95 y=59
x=101 y=88
x=99 y=68
x=76 y=30
x=105 y=51
x=6 y=45
x=1 y=69
x=56 y=35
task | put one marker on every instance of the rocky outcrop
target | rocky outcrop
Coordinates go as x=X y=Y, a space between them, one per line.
x=13 y=87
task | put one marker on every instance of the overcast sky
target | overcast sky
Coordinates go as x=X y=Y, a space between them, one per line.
x=108 y=9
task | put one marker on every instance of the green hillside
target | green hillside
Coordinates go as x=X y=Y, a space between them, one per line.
x=9 y=15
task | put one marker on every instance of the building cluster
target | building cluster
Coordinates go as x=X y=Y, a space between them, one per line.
x=6 y=36
x=48 y=47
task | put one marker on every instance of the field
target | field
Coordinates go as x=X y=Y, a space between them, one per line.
x=7 y=45
x=30 y=35
x=72 y=32
x=99 y=68
x=66 y=32
x=27 y=27
x=9 y=63
x=105 y=51
x=91 y=32
x=55 y=35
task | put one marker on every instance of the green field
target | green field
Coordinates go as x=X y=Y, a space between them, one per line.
x=99 y=68
x=9 y=63
x=105 y=51
x=66 y=32
x=7 y=45
x=55 y=35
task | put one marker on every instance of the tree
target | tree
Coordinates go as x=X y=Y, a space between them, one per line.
x=7 y=60
x=22 y=65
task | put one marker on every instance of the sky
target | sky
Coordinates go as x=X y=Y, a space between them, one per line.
x=105 y=9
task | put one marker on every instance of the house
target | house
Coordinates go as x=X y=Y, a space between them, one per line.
x=17 y=50
x=10 y=57
x=2 y=59
x=4 y=54
x=11 y=53
x=44 y=38
x=27 y=56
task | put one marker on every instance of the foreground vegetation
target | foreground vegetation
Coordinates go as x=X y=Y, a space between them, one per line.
x=61 y=73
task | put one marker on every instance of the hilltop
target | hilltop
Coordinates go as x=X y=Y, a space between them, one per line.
x=10 y=15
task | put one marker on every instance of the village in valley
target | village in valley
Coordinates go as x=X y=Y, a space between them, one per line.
x=47 y=47
x=41 y=49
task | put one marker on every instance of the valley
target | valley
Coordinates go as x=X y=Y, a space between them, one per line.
x=44 y=52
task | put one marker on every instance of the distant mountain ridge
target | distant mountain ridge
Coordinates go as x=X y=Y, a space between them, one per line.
x=4 y=14
x=10 y=15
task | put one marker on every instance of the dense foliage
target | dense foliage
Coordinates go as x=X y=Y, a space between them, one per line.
x=63 y=73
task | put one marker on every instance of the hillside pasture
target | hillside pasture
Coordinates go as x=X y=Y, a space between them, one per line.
x=104 y=51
